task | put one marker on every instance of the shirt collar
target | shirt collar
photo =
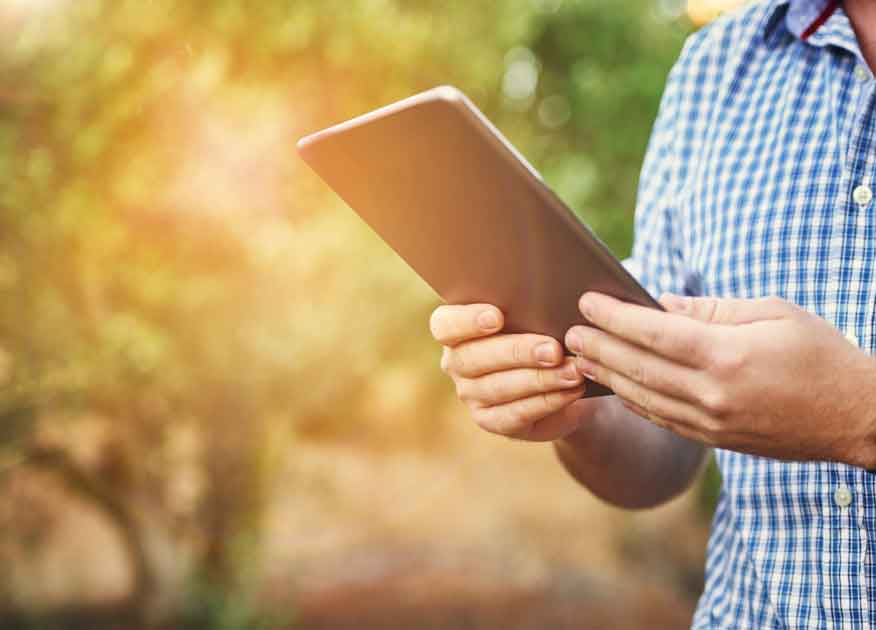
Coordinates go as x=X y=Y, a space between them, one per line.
x=802 y=18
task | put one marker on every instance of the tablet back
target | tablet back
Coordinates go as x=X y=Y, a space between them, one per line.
x=444 y=189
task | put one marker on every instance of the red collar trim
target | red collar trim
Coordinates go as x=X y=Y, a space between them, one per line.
x=821 y=19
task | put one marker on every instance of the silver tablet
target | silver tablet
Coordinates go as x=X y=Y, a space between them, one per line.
x=442 y=186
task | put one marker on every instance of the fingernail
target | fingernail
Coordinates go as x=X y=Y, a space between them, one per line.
x=546 y=353
x=571 y=374
x=488 y=320
x=574 y=344
x=584 y=366
x=586 y=307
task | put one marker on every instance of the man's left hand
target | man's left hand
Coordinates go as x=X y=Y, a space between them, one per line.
x=760 y=376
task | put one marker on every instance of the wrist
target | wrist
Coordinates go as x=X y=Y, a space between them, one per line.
x=861 y=451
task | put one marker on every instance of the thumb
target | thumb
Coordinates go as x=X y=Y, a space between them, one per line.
x=727 y=311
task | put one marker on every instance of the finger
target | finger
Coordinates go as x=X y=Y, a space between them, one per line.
x=679 y=429
x=727 y=311
x=453 y=324
x=661 y=409
x=502 y=387
x=504 y=352
x=639 y=365
x=675 y=337
x=634 y=408
x=558 y=425
x=515 y=417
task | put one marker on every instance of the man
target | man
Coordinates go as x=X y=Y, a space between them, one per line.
x=759 y=181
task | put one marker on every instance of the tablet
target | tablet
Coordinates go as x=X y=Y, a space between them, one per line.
x=442 y=186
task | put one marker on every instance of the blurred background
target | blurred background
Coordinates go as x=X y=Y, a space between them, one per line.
x=220 y=406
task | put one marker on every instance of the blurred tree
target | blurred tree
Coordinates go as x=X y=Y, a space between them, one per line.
x=604 y=69
x=170 y=272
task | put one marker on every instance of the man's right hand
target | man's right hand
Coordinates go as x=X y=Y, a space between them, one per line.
x=520 y=386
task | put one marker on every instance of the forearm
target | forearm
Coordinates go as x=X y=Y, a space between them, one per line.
x=626 y=460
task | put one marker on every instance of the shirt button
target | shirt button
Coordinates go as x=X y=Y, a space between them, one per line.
x=862 y=195
x=842 y=497
x=853 y=339
x=861 y=73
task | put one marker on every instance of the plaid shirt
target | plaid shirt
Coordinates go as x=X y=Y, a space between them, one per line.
x=759 y=181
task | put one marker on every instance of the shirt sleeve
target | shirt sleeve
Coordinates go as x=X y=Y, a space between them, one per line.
x=657 y=259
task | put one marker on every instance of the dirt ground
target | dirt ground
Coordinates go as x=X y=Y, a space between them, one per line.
x=477 y=534
x=483 y=534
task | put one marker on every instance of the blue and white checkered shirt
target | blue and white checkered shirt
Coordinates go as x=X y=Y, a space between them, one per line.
x=759 y=181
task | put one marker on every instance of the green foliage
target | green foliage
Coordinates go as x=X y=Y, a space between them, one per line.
x=710 y=488
x=610 y=65
x=167 y=264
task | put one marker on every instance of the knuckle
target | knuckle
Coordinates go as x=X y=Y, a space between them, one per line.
x=727 y=362
x=484 y=419
x=708 y=310
x=715 y=363
x=541 y=381
x=546 y=403
x=517 y=351
x=456 y=361
x=464 y=391
x=495 y=389
x=716 y=401
x=696 y=349
x=711 y=429
x=639 y=373
x=491 y=420
x=654 y=336
x=514 y=421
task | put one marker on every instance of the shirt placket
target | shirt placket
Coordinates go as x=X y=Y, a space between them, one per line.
x=846 y=83
x=858 y=211
x=846 y=563
x=854 y=228
x=862 y=160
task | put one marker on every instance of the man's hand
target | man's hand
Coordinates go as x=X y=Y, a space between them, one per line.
x=519 y=386
x=758 y=376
